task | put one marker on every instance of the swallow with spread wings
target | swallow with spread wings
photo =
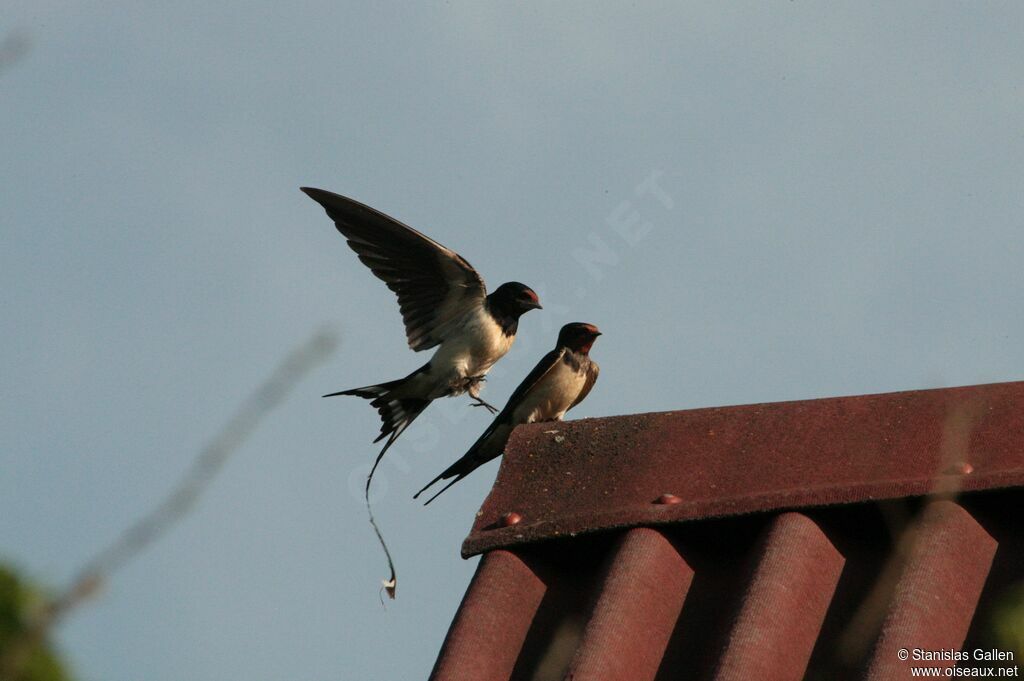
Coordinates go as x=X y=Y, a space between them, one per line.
x=444 y=304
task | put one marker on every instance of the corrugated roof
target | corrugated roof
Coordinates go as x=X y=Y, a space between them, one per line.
x=746 y=542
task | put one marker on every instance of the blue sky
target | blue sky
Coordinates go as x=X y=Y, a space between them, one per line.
x=839 y=205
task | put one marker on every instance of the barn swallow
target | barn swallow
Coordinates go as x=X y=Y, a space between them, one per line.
x=560 y=381
x=444 y=304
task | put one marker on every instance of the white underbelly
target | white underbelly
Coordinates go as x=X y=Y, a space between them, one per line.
x=472 y=352
x=552 y=397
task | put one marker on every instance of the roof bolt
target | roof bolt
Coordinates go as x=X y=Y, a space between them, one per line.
x=509 y=519
x=668 y=499
x=960 y=468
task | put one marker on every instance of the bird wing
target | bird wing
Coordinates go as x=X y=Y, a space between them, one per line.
x=592 y=371
x=546 y=364
x=434 y=284
x=481 y=452
x=536 y=375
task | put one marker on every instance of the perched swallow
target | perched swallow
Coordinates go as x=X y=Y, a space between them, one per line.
x=560 y=381
x=444 y=304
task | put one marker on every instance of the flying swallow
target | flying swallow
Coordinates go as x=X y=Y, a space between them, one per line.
x=560 y=381
x=444 y=304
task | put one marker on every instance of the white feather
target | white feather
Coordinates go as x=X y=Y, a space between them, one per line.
x=470 y=351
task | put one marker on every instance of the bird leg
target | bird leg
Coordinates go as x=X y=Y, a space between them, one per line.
x=480 y=403
x=473 y=388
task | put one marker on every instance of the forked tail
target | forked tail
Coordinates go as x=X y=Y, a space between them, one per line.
x=488 y=446
x=457 y=470
x=396 y=413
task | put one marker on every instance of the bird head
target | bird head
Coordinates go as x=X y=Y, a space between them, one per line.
x=578 y=336
x=515 y=298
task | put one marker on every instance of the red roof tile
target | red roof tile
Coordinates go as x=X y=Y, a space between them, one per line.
x=776 y=629
x=938 y=588
x=597 y=474
x=777 y=562
x=640 y=600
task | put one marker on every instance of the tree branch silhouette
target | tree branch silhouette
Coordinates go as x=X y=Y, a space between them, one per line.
x=13 y=47
x=151 y=527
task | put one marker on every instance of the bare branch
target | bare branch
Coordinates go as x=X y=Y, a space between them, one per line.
x=13 y=47
x=182 y=499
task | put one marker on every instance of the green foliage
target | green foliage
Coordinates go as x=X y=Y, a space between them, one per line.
x=33 y=660
x=1008 y=621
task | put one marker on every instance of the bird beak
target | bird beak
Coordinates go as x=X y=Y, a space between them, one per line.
x=534 y=306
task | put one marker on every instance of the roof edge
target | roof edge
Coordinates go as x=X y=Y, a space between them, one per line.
x=563 y=479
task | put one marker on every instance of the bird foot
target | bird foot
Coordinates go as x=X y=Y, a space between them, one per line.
x=481 y=403
x=472 y=388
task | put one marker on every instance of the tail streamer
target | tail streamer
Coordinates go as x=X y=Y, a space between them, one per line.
x=390 y=585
